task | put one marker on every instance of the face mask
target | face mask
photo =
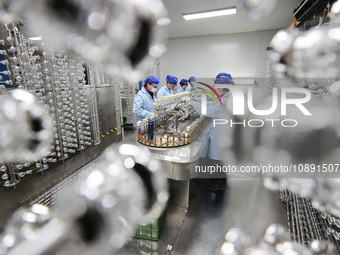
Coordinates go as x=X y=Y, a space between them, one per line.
x=222 y=93
x=153 y=90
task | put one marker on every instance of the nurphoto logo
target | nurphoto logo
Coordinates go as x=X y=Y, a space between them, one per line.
x=239 y=99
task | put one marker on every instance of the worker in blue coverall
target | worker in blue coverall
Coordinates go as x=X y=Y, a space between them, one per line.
x=143 y=102
x=191 y=81
x=220 y=136
x=167 y=89
x=183 y=86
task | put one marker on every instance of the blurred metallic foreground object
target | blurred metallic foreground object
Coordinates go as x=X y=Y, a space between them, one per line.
x=312 y=147
x=276 y=241
x=258 y=9
x=122 y=35
x=26 y=128
x=311 y=54
x=314 y=54
x=97 y=214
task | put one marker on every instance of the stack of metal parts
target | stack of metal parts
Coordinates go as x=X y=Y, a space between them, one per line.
x=121 y=35
x=57 y=80
x=98 y=213
x=307 y=224
x=26 y=133
x=48 y=198
x=95 y=81
x=275 y=241
x=129 y=93
x=271 y=83
x=118 y=105
x=157 y=69
x=333 y=227
x=4 y=74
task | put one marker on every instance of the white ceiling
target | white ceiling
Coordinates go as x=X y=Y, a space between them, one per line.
x=280 y=18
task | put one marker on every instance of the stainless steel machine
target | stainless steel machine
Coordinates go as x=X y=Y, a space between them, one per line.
x=176 y=135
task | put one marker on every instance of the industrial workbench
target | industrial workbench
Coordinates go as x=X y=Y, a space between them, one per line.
x=178 y=164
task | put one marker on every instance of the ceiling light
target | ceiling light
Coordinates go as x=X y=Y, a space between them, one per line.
x=37 y=38
x=209 y=14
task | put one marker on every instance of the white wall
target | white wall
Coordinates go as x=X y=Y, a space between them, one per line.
x=242 y=55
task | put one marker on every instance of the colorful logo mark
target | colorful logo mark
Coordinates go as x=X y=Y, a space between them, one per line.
x=208 y=92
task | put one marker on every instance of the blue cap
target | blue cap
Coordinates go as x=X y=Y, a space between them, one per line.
x=192 y=78
x=224 y=80
x=223 y=74
x=184 y=82
x=153 y=80
x=172 y=80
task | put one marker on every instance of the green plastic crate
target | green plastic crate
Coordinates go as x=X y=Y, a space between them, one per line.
x=151 y=231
